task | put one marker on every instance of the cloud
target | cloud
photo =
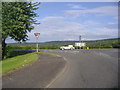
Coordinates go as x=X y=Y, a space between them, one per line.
x=58 y=31
x=105 y=10
x=70 y=39
x=112 y=26
x=109 y=25
x=92 y=23
x=75 y=6
x=71 y=31
x=106 y=32
x=52 y=19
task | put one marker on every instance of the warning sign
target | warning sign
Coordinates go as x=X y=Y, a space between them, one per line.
x=37 y=35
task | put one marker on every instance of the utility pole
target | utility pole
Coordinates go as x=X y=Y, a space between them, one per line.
x=80 y=40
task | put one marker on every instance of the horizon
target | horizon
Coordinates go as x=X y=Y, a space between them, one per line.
x=67 y=20
x=65 y=41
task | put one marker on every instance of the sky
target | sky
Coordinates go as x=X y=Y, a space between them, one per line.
x=61 y=21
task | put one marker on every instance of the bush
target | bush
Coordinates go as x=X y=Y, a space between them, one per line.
x=116 y=45
x=13 y=53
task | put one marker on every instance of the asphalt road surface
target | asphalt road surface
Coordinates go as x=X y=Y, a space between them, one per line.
x=88 y=69
x=35 y=75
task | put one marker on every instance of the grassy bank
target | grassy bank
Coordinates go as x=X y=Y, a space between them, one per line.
x=17 y=62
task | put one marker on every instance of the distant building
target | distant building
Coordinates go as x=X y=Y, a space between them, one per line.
x=80 y=44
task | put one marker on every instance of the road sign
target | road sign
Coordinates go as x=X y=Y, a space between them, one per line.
x=37 y=35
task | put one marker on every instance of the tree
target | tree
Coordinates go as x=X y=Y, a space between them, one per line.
x=17 y=20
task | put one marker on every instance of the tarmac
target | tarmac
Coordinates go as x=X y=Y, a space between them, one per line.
x=36 y=75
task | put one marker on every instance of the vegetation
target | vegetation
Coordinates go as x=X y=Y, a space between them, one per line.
x=17 y=20
x=14 y=49
x=13 y=53
x=0 y=52
x=17 y=62
x=106 y=43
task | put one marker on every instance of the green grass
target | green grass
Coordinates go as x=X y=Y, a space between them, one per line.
x=0 y=68
x=17 y=62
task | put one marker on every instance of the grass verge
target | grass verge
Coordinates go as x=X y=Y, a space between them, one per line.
x=17 y=62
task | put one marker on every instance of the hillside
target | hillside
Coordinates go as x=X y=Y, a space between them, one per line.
x=105 y=43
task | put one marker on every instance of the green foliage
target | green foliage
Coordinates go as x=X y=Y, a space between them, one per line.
x=0 y=31
x=13 y=53
x=107 y=43
x=116 y=44
x=17 y=20
x=0 y=51
x=98 y=44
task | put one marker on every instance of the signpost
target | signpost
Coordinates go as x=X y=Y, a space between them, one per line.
x=37 y=36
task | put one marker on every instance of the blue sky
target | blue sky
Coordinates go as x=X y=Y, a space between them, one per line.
x=67 y=20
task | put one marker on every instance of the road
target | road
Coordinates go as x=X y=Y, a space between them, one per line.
x=88 y=69
x=35 y=75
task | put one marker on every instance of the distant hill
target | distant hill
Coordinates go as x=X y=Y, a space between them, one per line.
x=104 y=43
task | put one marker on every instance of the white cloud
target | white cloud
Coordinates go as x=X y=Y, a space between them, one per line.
x=117 y=18
x=105 y=10
x=107 y=32
x=70 y=39
x=52 y=18
x=75 y=6
x=111 y=26
x=58 y=31
x=93 y=23
x=71 y=31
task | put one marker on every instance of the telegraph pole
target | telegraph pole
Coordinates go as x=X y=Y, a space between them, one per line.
x=80 y=40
